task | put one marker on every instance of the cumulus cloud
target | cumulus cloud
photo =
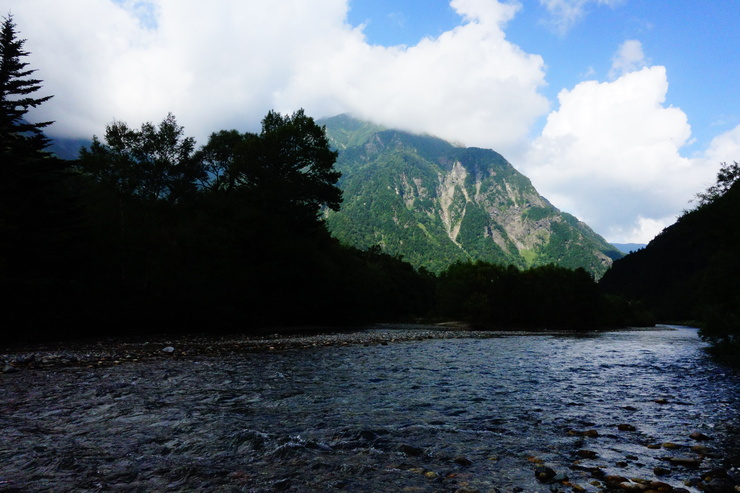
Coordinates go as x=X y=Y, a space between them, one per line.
x=611 y=155
x=628 y=58
x=566 y=13
x=226 y=66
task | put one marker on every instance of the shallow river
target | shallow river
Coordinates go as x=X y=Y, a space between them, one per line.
x=479 y=414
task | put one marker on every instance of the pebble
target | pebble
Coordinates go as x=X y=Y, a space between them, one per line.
x=684 y=461
x=671 y=446
x=560 y=477
x=614 y=481
x=698 y=436
x=168 y=349
x=587 y=454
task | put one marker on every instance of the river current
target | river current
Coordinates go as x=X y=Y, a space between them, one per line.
x=467 y=414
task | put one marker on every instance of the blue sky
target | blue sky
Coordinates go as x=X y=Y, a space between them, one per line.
x=619 y=111
x=698 y=42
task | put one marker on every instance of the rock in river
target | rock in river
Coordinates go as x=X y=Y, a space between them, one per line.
x=544 y=473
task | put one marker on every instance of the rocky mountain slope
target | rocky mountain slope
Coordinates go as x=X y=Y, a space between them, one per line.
x=435 y=203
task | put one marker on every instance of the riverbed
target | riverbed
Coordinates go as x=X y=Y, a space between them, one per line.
x=385 y=411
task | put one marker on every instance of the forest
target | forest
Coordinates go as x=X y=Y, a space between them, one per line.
x=147 y=232
x=688 y=273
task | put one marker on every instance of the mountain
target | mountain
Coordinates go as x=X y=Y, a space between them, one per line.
x=628 y=247
x=65 y=148
x=435 y=203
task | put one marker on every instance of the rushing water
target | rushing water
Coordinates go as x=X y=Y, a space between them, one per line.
x=434 y=415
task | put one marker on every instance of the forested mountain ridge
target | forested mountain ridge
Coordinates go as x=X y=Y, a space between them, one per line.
x=688 y=273
x=434 y=204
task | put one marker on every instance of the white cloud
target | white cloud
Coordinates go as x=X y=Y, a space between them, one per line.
x=723 y=148
x=629 y=58
x=611 y=155
x=566 y=13
x=227 y=65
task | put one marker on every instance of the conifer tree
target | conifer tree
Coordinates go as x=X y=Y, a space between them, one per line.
x=19 y=139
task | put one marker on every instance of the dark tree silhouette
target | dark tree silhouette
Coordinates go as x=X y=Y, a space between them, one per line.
x=19 y=139
x=727 y=175
x=153 y=163
x=291 y=165
x=286 y=169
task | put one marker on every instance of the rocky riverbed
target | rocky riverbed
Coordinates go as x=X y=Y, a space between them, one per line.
x=115 y=351
x=383 y=409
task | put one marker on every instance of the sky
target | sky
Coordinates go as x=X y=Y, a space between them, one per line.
x=619 y=111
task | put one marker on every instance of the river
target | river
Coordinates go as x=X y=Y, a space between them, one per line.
x=466 y=414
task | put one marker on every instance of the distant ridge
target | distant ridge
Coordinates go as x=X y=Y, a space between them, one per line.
x=629 y=247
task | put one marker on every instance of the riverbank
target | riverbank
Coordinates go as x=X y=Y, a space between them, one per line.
x=119 y=350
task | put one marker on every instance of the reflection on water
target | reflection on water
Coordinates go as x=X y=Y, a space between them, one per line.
x=433 y=415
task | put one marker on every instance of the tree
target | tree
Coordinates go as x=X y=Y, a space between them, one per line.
x=218 y=159
x=286 y=169
x=154 y=163
x=295 y=160
x=19 y=139
x=727 y=175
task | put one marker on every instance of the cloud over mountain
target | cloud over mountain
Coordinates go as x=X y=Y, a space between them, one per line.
x=610 y=153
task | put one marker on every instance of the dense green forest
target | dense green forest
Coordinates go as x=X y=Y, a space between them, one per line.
x=688 y=273
x=148 y=232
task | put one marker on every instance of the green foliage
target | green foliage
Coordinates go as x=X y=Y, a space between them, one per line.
x=349 y=132
x=537 y=213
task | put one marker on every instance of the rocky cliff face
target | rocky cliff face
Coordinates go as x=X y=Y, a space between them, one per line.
x=434 y=204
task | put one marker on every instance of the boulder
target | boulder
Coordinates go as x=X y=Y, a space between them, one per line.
x=411 y=450
x=462 y=461
x=720 y=485
x=544 y=473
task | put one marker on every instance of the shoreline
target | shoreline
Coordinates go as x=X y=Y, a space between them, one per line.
x=119 y=350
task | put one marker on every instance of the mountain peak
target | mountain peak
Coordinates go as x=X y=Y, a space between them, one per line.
x=434 y=203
